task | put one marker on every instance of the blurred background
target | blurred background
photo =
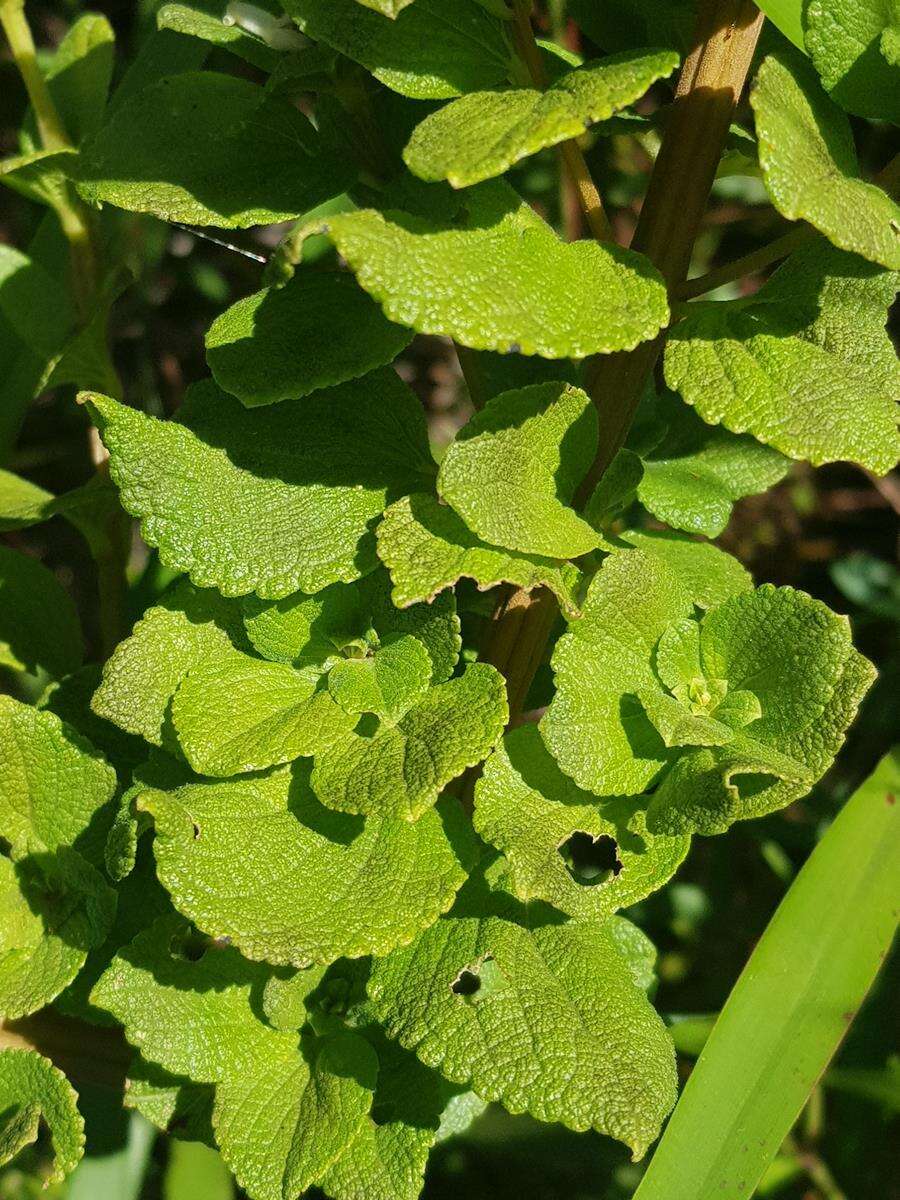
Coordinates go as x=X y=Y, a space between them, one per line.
x=830 y=531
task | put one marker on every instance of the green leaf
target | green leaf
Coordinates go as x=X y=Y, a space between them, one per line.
x=400 y=771
x=796 y=658
x=498 y=278
x=805 y=365
x=212 y=21
x=427 y=547
x=434 y=49
x=805 y=981
x=388 y=8
x=623 y=24
x=388 y=683
x=78 y=76
x=269 y=500
x=482 y=135
x=210 y=149
x=196 y=1170
x=367 y=886
x=171 y=1103
x=282 y=715
x=54 y=787
x=39 y=626
x=513 y=469
x=22 y=503
x=188 y=627
x=708 y=574
x=285 y=1104
x=29 y=1083
x=844 y=40
x=537 y=1018
x=595 y=726
x=70 y=699
x=809 y=163
x=317 y=330
x=310 y=630
x=529 y=810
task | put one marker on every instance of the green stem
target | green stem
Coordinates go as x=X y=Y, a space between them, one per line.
x=747 y=264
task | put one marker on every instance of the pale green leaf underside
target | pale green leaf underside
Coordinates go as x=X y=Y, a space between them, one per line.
x=401 y=770
x=209 y=149
x=271 y=500
x=503 y=282
x=280 y=714
x=433 y=50
x=285 y=1106
x=844 y=40
x=809 y=164
x=188 y=626
x=556 y=1028
x=231 y=855
x=427 y=547
x=482 y=135
x=512 y=470
x=805 y=366
x=39 y=626
x=318 y=330
x=528 y=809
x=30 y=1082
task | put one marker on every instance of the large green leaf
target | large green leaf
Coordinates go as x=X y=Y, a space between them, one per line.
x=805 y=365
x=318 y=330
x=482 y=135
x=526 y=807
x=32 y=1089
x=809 y=163
x=39 y=626
x=210 y=149
x=433 y=49
x=534 y=1014
x=427 y=547
x=270 y=500
x=790 y=1009
x=497 y=277
x=231 y=855
x=845 y=41
x=512 y=471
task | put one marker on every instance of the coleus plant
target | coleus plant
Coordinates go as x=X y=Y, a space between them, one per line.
x=299 y=838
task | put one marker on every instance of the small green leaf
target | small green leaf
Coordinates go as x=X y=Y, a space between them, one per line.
x=804 y=983
x=482 y=135
x=286 y=1105
x=809 y=163
x=512 y=471
x=79 y=74
x=400 y=771
x=527 y=808
x=29 y=1083
x=367 y=886
x=427 y=547
x=708 y=574
x=210 y=149
x=22 y=503
x=282 y=715
x=805 y=365
x=388 y=683
x=388 y=8
x=270 y=500
x=434 y=49
x=500 y=278
x=537 y=1018
x=39 y=626
x=187 y=627
x=844 y=40
x=310 y=630
x=317 y=330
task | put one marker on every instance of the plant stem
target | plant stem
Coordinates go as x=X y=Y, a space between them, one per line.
x=570 y=152
x=710 y=84
x=747 y=264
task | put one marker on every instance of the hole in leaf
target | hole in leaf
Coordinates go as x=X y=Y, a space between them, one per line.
x=478 y=981
x=189 y=946
x=5 y=847
x=591 y=861
x=368 y=725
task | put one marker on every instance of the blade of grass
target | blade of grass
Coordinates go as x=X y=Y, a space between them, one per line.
x=791 y=1006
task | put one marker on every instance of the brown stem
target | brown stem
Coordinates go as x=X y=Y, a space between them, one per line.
x=710 y=84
